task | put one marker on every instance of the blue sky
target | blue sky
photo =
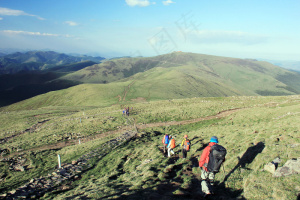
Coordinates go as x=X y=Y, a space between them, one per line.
x=268 y=29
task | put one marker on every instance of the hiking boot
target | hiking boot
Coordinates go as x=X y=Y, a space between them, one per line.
x=204 y=195
x=207 y=195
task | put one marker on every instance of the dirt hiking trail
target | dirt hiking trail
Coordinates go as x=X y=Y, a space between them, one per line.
x=60 y=145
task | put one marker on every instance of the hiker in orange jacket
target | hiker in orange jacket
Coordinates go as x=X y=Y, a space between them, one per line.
x=171 y=146
x=185 y=144
x=205 y=174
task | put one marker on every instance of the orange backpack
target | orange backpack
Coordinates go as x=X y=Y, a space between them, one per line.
x=172 y=145
x=187 y=145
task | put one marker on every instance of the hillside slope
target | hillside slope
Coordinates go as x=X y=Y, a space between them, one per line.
x=255 y=131
x=248 y=77
x=170 y=76
x=20 y=86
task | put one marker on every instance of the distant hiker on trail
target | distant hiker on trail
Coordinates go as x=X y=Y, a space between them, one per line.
x=171 y=146
x=165 y=142
x=210 y=162
x=185 y=144
x=126 y=111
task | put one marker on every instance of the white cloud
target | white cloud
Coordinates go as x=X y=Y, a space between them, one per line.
x=11 y=12
x=141 y=3
x=11 y=32
x=71 y=23
x=1 y=18
x=168 y=2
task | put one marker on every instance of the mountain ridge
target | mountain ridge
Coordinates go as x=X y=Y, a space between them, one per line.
x=169 y=76
x=39 y=60
x=227 y=70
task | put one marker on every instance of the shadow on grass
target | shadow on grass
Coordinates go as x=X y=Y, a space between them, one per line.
x=81 y=197
x=194 y=138
x=176 y=183
x=247 y=158
x=203 y=147
x=172 y=189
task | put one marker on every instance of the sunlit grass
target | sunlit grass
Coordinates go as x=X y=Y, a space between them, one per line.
x=138 y=167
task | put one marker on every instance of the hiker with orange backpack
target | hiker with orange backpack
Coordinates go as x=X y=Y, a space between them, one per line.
x=165 y=142
x=171 y=146
x=210 y=162
x=185 y=144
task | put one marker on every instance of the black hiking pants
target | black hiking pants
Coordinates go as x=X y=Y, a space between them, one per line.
x=184 y=153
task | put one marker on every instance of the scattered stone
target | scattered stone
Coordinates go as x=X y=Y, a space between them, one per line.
x=276 y=160
x=291 y=167
x=19 y=168
x=270 y=167
x=74 y=162
x=295 y=145
x=148 y=161
x=38 y=187
x=62 y=171
x=13 y=192
x=3 y=195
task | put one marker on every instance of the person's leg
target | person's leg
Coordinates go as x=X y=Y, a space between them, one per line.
x=204 y=185
x=169 y=149
x=172 y=151
x=211 y=177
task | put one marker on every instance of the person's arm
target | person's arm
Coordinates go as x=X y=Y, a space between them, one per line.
x=203 y=157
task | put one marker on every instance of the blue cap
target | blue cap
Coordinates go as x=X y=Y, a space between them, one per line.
x=214 y=139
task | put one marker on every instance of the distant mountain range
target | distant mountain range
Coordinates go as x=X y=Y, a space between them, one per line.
x=292 y=65
x=24 y=75
x=171 y=76
x=39 y=60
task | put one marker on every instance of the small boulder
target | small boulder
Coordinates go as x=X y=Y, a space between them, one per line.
x=19 y=168
x=270 y=167
x=291 y=167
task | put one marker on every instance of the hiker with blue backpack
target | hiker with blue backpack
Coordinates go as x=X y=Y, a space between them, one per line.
x=171 y=146
x=210 y=162
x=165 y=142
x=185 y=144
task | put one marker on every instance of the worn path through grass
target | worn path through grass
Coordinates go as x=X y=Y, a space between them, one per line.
x=60 y=145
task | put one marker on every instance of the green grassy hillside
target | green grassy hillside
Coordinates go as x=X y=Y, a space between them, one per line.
x=20 y=86
x=248 y=77
x=171 y=76
x=192 y=75
x=255 y=130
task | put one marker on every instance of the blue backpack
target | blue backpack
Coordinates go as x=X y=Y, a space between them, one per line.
x=166 y=139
